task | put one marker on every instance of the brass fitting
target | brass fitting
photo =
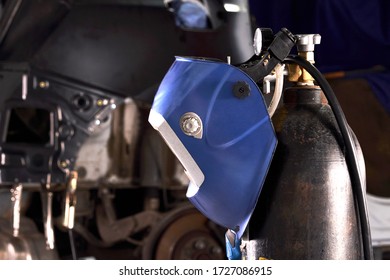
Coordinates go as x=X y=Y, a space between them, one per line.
x=305 y=46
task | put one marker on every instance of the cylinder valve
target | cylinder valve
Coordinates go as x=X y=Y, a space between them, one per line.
x=305 y=46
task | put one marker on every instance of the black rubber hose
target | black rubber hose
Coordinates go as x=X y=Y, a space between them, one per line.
x=357 y=183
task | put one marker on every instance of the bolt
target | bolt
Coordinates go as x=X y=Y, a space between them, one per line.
x=215 y=250
x=43 y=84
x=66 y=131
x=102 y=102
x=64 y=163
x=191 y=125
x=241 y=89
x=200 y=244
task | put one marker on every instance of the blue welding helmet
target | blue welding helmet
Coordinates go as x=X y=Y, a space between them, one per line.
x=214 y=119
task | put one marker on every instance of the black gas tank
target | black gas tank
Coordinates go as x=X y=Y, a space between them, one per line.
x=306 y=209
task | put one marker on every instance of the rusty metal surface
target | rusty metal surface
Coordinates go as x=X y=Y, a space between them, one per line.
x=184 y=234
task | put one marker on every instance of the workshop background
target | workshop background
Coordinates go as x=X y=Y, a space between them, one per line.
x=101 y=62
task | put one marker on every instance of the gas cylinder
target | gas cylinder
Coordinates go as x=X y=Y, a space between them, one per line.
x=307 y=207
